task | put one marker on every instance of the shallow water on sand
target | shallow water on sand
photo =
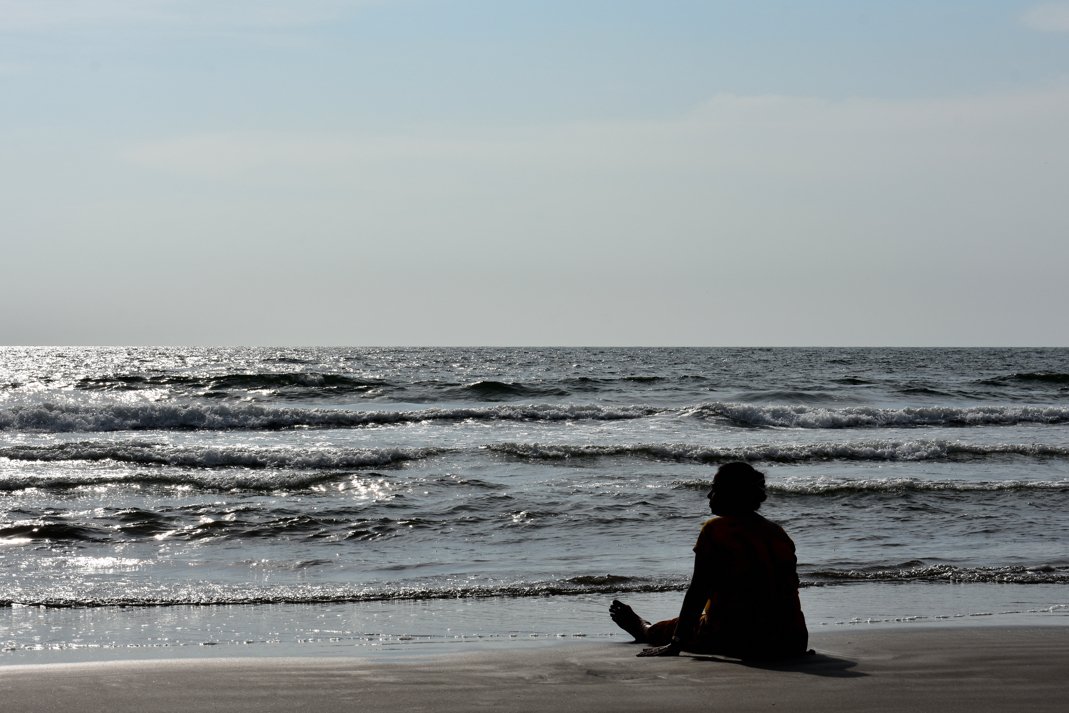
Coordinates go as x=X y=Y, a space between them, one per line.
x=400 y=629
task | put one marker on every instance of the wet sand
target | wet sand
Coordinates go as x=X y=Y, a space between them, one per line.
x=924 y=669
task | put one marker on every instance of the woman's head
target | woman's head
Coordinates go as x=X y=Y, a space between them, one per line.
x=737 y=488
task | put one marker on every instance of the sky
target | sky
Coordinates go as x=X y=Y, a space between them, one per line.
x=543 y=172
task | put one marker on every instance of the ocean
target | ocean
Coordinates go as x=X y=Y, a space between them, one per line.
x=262 y=501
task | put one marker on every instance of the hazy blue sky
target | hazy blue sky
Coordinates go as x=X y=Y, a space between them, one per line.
x=678 y=172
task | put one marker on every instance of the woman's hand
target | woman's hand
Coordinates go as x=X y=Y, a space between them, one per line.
x=671 y=649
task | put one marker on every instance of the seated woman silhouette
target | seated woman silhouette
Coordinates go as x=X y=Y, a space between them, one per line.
x=743 y=595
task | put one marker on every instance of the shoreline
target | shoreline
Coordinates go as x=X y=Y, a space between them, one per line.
x=944 y=669
x=396 y=630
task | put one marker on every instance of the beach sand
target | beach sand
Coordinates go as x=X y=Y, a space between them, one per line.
x=923 y=669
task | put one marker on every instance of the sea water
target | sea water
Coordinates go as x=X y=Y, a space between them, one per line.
x=259 y=500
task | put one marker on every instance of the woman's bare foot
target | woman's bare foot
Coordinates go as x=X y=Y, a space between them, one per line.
x=626 y=618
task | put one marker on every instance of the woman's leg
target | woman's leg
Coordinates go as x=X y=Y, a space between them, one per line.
x=644 y=632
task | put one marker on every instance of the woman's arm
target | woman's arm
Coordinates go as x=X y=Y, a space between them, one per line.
x=693 y=605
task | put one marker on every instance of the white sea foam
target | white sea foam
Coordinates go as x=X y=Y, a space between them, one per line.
x=110 y=415
x=921 y=572
x=58 y=417
x=871 y=450
x=797 y=416
x=220 y=457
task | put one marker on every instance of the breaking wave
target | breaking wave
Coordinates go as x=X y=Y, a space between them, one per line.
x=265 y=480
x=920 y=572
x=65 y=417
x=796 y=416
x=339 y=594
x=328 y=383
x=149 y=454
x=218 y=594
x=60 y=417
x=875 y=450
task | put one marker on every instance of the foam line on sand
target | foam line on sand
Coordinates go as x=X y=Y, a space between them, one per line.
x=924 y=669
